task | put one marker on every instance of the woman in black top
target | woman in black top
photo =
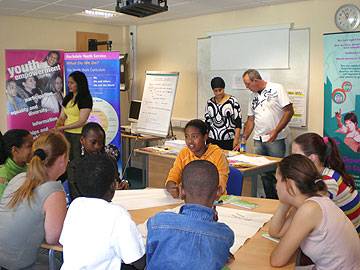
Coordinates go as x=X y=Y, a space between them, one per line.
x=76 y=108
x=223 y=116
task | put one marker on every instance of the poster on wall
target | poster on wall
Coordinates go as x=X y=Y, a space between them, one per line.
x=342 y=96
x=102 y=70
x=33 y=88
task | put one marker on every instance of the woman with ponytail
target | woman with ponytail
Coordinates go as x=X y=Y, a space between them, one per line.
x=340 y=185
x=33 y=206
x=308 y=220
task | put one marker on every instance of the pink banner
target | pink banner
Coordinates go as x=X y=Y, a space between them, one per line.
x=34 y=88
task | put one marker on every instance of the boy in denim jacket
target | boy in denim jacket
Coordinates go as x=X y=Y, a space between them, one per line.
x=191 y=239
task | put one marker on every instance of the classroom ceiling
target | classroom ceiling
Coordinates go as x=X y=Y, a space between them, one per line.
x=70 y=10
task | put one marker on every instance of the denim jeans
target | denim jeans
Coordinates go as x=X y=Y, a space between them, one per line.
x=273 y=149
x=191 y=239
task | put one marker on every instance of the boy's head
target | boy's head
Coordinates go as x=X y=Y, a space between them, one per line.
x=200 y=183
x=94 y=176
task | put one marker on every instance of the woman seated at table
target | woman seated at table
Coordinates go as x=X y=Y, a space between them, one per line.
x=196 y=134
x=33 y=206
x=308 y=220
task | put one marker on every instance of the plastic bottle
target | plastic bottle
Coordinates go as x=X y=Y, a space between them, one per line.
x=243 y=145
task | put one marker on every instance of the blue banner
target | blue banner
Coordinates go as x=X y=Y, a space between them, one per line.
x=342 y=96
x=102 y=70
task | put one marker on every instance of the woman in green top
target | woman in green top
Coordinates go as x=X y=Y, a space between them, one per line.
x=15 y=152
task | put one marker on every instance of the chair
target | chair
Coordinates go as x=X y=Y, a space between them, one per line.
x=235 y=182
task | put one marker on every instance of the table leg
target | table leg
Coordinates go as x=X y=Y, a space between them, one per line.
x=254 y=185
x=145 y=173
x=51 y=259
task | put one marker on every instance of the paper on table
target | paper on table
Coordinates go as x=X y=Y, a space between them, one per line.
x=244 y=224
x=143 y=198
x=250 y=160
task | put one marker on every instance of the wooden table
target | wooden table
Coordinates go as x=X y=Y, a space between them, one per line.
x=254 y=254
x=127 y=138
x=158 y=165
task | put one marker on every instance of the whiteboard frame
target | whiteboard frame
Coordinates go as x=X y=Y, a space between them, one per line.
x=147 y=132
x=201 y=106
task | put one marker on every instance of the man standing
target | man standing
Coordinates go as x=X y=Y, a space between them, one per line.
x=270 y=110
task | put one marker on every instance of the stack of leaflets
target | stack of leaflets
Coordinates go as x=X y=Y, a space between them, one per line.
x=235 y=200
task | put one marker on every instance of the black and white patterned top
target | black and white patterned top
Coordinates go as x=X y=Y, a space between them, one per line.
x=223 y=119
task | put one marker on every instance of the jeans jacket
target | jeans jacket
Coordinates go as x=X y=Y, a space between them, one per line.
x=188 y=240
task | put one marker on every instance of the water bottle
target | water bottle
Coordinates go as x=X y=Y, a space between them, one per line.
x=242 y=145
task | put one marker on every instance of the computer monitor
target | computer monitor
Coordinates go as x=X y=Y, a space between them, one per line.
x=134 y=111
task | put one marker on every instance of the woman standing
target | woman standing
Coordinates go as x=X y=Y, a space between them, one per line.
x=33 y=207
x=75 y=112
x=223 y=116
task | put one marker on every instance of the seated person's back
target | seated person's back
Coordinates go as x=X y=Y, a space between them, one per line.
x=97 y=234
x=192 y=239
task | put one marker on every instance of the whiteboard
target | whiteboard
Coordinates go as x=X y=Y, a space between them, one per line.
x=295 y=79
x=157 y=103
x=239 y=50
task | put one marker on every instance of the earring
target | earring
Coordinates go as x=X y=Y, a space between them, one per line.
x=82 y=150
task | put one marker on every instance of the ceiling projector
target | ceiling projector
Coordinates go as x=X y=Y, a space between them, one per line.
x=141 y=8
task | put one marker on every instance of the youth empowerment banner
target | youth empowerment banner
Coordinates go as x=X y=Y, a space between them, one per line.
x=102 y=70
x=34 y=88
x=342 y=96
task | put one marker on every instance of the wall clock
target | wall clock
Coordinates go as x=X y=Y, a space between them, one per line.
x=347 y=17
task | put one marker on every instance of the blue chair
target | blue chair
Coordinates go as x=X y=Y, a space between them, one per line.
x=235 y=182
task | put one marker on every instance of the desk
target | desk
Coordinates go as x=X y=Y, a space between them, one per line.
x=157 y=166
x=126 y=139
x=254 y=254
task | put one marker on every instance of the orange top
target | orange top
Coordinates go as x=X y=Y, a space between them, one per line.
x=214 y=154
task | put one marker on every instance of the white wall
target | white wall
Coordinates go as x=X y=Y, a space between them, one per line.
x=32 y=33
x=171 y=46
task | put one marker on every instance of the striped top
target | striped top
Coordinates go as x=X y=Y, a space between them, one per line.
x=341 y=195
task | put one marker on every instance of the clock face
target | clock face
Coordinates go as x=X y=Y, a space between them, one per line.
x=347 y=17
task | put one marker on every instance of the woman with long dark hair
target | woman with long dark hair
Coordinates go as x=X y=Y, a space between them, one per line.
x=15 y=153
x=340 y=185
x=308 y=220
x=75 y=111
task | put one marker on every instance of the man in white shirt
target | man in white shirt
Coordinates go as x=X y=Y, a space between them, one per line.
x=269 y=113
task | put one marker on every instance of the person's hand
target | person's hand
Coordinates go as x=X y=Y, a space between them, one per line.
x=173 y=189
x=237 y=148
x=338 y=115
x=124 y=184
x=273 y=135
x=58 y=129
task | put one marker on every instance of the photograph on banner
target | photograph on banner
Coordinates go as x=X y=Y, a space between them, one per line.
x=342 y=96
x=102 y=70
x=34 y=88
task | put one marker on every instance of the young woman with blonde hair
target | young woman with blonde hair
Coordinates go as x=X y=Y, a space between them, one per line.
x=33 y=206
